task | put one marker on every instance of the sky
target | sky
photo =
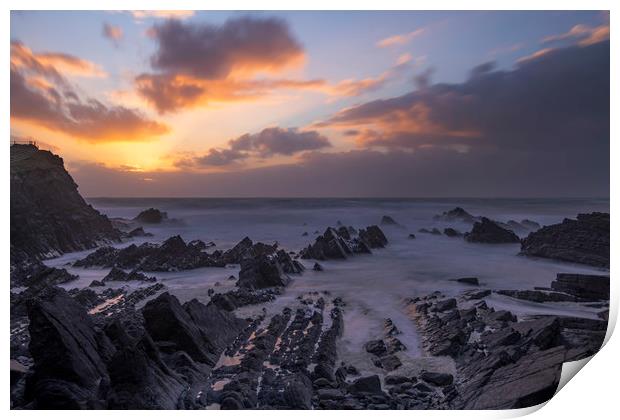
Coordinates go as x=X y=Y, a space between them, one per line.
x=319 y=104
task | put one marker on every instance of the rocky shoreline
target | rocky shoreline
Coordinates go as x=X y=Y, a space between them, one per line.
x=107 y=346
x=170 y=355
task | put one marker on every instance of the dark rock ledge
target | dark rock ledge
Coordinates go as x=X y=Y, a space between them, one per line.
x=501 y=363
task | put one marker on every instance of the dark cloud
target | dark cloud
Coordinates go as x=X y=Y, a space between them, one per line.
x=554 y=102
x=196 y=64
x=213 y=52
x=42 y=95
x=540 y=130
x=269 y=142
x=279 y=141
x=219 y=157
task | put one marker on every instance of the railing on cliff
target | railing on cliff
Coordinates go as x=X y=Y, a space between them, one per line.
x=25 y=141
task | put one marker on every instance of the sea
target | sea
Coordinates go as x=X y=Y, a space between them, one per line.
x=375 y=286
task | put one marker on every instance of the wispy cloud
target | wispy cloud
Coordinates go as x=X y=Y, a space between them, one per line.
x=162 y=14
x=583 y=34
x=400 y=39
x=113 y=33
x=535 y=55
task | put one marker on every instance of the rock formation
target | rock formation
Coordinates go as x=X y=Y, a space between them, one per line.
x=48 y=215
x=457 y=214
x=584 y=240
x=151 y=216
x=487 y=231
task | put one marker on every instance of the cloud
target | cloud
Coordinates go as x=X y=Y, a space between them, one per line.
x=239 y=46
x=535 y=55
x=51 y=65
x=267 y=143
x=199 y=64
x=557 y=101
x=541 y=129
x=162 y=14
x=400 y=39
x=169 y=93
x=113 y=33
x=42 y=95
x=582 y=34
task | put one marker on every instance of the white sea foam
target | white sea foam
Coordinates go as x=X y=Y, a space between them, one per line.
x=373 y=286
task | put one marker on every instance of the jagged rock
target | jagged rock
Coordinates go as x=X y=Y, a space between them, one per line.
x=411 y=236
x=374 y=236
x=397 y=379
x=139 y=378
x=39 y=275
x=376 y=347
x=289 y=265
x=172 y=255
x=487 y=231
x=194 y=328
x=36 y=277
x=473 y=281
x=97 y=283
x=151 y=216
x=538 y=295
x=139 y=231
x=298 y=394
x=234 y=299
x=262 y=272
x=530 y=224
x=584 y=241
x=48 y=215
x=115 y=274
x=584 y=286
x=388 y=220
x=367 y=384
x=247 y=249
x=456 y=214
x=327 y=246
x=444 y=305
x=330 y=394
x=68 y=370
x=438 y=379
x=389 y=362
x=501 y=363
x=452 y=233
x=317 y=267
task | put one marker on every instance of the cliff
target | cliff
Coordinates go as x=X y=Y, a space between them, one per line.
x=48 y=215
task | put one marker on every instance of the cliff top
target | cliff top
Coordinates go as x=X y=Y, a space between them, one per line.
x=26 y=157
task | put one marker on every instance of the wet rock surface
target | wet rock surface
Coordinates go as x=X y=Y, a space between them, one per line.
x=489 y=232
x=584 y=240
x=175 y=254
x=501 y=362
x=151 y=216
x=343 y=242
x=457 y=214
x=129 y=348
x=583 y=286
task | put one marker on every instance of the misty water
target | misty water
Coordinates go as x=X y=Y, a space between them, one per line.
x=373 y=286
